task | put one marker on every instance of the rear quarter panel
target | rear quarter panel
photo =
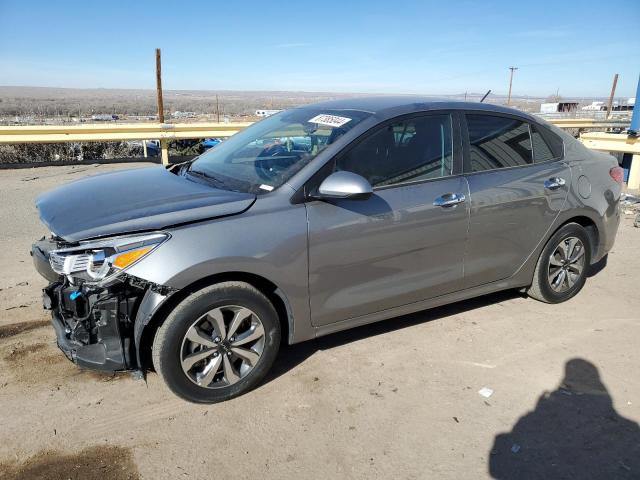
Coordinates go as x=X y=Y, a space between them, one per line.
x=593 y=193
x=600 y=205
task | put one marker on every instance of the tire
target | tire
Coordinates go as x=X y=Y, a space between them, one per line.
x=549 y=284
x=217 y=328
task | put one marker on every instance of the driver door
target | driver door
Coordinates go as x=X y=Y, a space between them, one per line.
x=396 y=247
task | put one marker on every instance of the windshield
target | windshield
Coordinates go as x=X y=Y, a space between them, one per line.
x=262 y=157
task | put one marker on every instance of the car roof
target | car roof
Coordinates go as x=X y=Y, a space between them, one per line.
x=388 y=106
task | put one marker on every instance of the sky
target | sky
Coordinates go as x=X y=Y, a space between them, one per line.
x=426 y=47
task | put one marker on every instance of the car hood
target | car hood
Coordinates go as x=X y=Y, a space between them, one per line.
x=132 y=201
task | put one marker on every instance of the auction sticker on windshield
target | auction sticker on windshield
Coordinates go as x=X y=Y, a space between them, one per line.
x=329 y=120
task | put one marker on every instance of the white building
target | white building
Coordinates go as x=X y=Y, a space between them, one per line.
x=594 y=107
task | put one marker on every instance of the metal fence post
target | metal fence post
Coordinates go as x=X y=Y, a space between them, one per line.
x=635 y=117
x=634 y=170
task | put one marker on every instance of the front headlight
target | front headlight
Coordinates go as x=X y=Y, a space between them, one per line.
x=96 y=261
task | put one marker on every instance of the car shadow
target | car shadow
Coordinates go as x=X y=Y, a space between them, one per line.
x=597 y=267
x=291 y=356
x=574 y=432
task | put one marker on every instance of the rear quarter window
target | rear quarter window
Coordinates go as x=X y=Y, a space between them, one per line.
x=547 y=146
x=498 y=142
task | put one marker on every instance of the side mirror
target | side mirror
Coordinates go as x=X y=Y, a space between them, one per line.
x=344 y=185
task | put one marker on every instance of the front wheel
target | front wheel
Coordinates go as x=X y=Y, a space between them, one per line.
x=561 y=271
x=218 y=343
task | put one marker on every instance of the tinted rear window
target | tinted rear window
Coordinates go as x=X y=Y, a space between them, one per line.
x=498 y=142
x=547 y=145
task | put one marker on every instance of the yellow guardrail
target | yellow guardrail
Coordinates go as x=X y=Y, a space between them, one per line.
x=123 y=131
x=164 y=132
x=611 y=142
x=588 y=123
x=176 y=131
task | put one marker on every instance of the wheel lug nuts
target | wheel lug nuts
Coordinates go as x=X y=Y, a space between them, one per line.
x=215 y=354
x=216 y=340
x=232 y=339
x=228 y=354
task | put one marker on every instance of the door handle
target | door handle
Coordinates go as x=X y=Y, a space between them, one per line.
x=449 y=200
x=554 y=183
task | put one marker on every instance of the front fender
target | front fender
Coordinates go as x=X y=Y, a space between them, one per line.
x=269 y=241
x=149 y=306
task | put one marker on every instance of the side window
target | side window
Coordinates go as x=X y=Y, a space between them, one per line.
x=416 y=149
x=498 y=142
x=546 y=145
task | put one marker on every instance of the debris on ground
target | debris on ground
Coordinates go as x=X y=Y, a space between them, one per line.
x=631 y=206
x=629 y=199
x=485 y=392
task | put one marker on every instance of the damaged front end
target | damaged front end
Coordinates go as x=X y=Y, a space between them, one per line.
x=94 y=303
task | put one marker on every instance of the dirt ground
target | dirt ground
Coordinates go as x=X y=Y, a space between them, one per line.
x=398 y=399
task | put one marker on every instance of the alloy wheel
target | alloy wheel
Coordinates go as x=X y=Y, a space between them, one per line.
x=566 y=264
x=222 y=346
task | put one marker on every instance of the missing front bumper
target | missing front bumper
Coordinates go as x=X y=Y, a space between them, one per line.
x=94 y=329
x=98 y=327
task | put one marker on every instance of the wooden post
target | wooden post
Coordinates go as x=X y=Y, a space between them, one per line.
x=513 y=69
x=164 y=147
x=159 y=86
x=613 y=92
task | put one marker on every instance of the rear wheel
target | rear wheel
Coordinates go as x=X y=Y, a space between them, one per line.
x=217 y=343
x=561 y=271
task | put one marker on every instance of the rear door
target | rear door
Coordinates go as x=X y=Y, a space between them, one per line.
x=518 y=185
x=397 y=247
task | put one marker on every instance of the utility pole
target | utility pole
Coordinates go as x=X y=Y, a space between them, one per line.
x=613 y=92
x=159 y=86
x=164 y=147
x=217 y=109
x=510 y=83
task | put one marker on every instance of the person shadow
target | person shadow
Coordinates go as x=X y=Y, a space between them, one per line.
x=574 y=432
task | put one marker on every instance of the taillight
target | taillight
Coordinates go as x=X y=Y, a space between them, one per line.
x=617 y=173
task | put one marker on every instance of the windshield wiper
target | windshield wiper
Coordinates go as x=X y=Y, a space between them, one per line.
x=206 y=176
